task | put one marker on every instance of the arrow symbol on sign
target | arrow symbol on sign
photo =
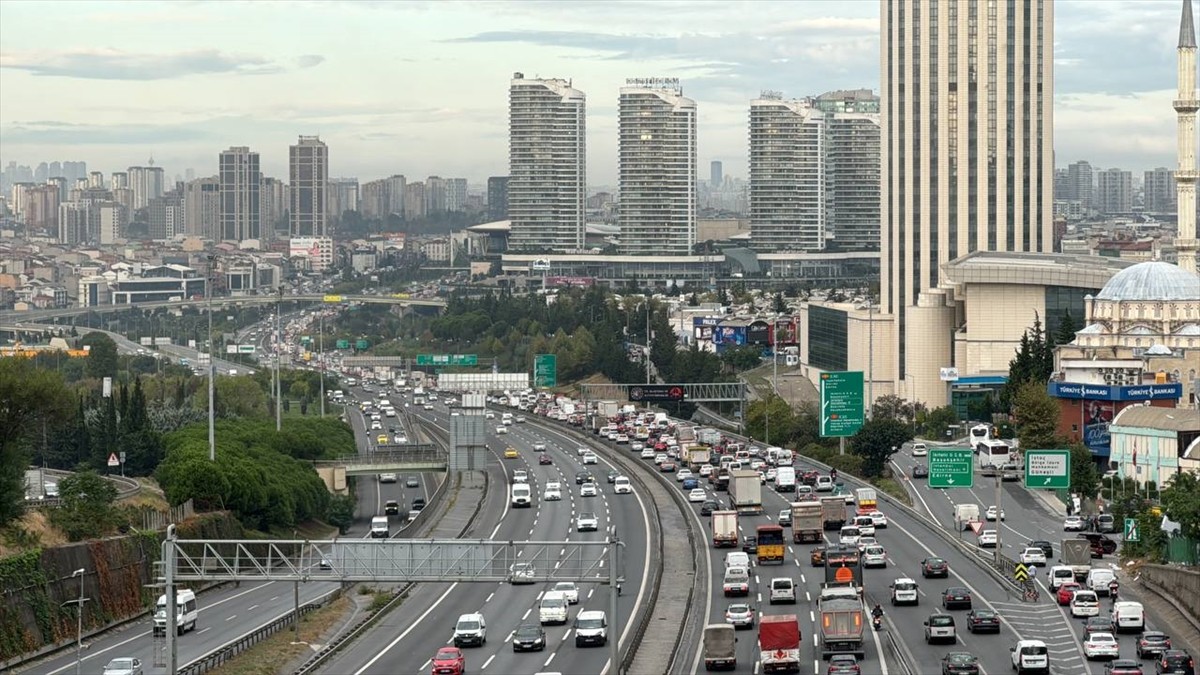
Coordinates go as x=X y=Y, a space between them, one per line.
x=950 y=480
x=1047 y=481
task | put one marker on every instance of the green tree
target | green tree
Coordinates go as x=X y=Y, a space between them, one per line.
x=876 y=441
x=239 y=397
x=744 y=357
x=771 y=420
x=937 y=421
x=1085 y=479
x=1181 y=499
x=779 y=303
x=87 y=510
x=1067 y=327
x=340 y=512
x=102 y=355
x=1037 y=414
x=1033 y=362
x=30 y=401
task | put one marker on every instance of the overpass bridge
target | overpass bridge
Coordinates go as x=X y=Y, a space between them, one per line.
x=387 y=458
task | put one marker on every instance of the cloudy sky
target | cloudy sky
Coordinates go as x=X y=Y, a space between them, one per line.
x=420 y=88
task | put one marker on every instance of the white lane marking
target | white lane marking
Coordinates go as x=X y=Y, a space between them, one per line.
x=550 y=659
x=526 y=614
x=231 y=617
x=485 y=663
x=426 y=664
x=489 y=597
x=408 y=630
x=251 y=608
x=566 y=635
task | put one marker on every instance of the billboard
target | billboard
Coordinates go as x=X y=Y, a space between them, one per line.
x=785 y=331
x=703 y=326
x=1097 y=416
x=758 y=333
x=730 y=334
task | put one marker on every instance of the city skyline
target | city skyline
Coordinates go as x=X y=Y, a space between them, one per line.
x=1113 y=77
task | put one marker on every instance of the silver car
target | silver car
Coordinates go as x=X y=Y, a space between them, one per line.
x=740 y=615
x=124 y=666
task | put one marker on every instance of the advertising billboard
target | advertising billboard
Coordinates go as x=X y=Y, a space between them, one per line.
x=702 y=327
x=759 y=333
x=1097 y=416
x=730 y=334
x=570 y=282
x=785 y=331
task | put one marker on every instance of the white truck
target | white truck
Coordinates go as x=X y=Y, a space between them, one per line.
x=1076 y=554
x=724 y=528
x=807 y=523
x=745 y=491
x=785 y=479
x=35 y=488
x=698 y=455
x=965 y=514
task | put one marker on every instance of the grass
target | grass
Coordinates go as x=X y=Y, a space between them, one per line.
x=893 y=488
x=277 y=652
x=32 y=530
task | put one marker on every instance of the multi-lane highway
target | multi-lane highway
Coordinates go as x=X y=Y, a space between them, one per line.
x=405 y=641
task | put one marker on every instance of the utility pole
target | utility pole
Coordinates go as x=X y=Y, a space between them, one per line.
x=278 y=356
x=79 y=620
x=871 y=356
x=212 y=371
x=321 y=355
x=647 y=339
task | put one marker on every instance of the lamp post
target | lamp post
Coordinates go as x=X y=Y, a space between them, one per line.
x=278 y=354
x=321 y=355
x=212 y=372
x=79 y=620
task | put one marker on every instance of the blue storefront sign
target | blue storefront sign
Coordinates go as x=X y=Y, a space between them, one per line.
x=1107 y=392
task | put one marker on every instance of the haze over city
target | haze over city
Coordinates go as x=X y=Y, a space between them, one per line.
x=419 y=86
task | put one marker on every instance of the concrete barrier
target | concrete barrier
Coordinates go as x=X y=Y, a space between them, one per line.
x=1178 y=585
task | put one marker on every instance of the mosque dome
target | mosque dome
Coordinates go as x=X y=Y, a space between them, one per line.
x=1152 y=281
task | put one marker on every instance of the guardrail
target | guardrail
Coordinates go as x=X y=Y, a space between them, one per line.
x=126 y=487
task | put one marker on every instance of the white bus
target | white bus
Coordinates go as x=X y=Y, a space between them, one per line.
x=993 y=454
x=980 y=433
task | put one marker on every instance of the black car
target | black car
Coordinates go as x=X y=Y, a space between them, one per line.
x=934 y=567
x=960 y=663
x=584 y=476
x=750 y=544
x=982 y=621
x=709 y=506
x=611 y=476
x=1152 y=644
x=1096 y=624
x=956 y=596
x=1101 y=545
x=1046 y=547
x=1175 y=662
x=529 y=637
x=391 y=508
x=920 y=471
x=1123 y=667
x=418 y=503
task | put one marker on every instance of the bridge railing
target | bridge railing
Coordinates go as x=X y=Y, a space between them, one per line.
x=390 y=454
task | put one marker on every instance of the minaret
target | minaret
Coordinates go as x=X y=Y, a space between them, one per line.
x=1185 y=105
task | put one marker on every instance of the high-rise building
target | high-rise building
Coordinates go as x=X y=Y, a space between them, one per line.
x=395 y=190
x=72 y=223
x=308 y=176
x=41 y=208
x=202 y=207
x=787 y=175
x=1114 y=191
x=1081 y=184
x=497 y=198
x=547 y=164
x=374 y=202
x=96 y=179
x=656 y=168
x=967 y=159
x=1158 y=190
x=863 y=101
x=343 y=197
x=456 y=194
x=1186 y=104
x=435 y=194
x=716 y=173
x=852 y=184
x=147 y=182
x=241 y=190
x=118 y=180
x=414 y=200
x=273 y=207
x=165 y=215
x=113 y=218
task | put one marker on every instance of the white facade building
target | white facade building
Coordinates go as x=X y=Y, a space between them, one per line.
x=787 y=175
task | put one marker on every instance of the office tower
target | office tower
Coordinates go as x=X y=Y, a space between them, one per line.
x=1158 y=190
x=308 y=176
x=716 y=174
x=414 y=200
x=374 y=201
x=273 y=206
x=72 y=223
x=146 y=183
x=1114 y=191
x=118 y=180
x=41 y=173
x=967 y=158
x=657 y=168
x=456 y=194
x=1081 y=184
x=1186 y=103
x=41 y=207
x=113 y=218
x=241 y=189
x=547 y=164
x=787 y=175
x=435 y=194
x=165 y=215
x=497 y=198
x=395 y=191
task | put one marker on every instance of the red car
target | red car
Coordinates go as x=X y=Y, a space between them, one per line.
x=449 y=661
x=544 y=459
x=1066 y=592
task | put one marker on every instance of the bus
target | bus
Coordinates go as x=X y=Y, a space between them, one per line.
x=993 y=454
x=770 y=544
x=980 y=433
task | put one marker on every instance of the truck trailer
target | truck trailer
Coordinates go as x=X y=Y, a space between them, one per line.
x=866 y=500
x=724 y=528
x=745 y=492
x=843 y=621
x=779 y=643
x=833 y=512
x=720 y=647
x=807 y=522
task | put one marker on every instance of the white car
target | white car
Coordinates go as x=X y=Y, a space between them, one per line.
x=697 y=495
x=920 y=450
x=568 y=589
x=1101 y=646
x=866 y=540
x=621 y=486
x=706 y=470
x=904 y=592
x=580 y=452
x=683 y=474
x=660 y=458
x=874 y=556
x=387 y=478
x=587 y=490
x=1033 y=556
x=772 y=473
x=553 y=492
x=520 y=476
x=539 y=447
x=586 y=522
x=1085 y=604
x=636 y=446
x=881 y=521
x=1073 y=523
x=992 y=513
x=502 y=429
x=740 y=615
x=622 y=438
x=590 y=458
x=988 y=539
x=520 y=419
x=648 y=453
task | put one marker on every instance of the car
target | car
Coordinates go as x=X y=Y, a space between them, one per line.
x=418 y=503
x=1101 y=646
x=920 y=450
x=124 y=665
x=881 y=521
x=636 y=446
x=667 y=467
x=683 y=475
x=817 y=557
x=660 y=458
x=529 y=637
x=520 y=419
x=1065 y=592
x=520 y=476
x=843 y=664
x=428 y=406
x=511 y=453
x=590 y=458
x=740 y=615
x=960 y=663
x=956 y=596
x=750 y=544
x=381 y=439
x=993 y=513
x=904 y=592
x=622 y=486
x=521 y=573
x=771 y=474
x=920 y=471
x=1152 y=644
x=391 y=508
x=785 y=518
x=697 y=495
x=502 y=429
x=1032 y=556
x=708 y=506
x=690 y=484
x=706 y=470
x=939 y=627
x=387 y=478
x=983 y=621
x=1073 y=523
x=1175 y=662
x=611 y=475
x=988 y=539
x=874 y=556
x=586 y=522
x=544 y=459
x=824 y=484
x=584 y=476
x=1047 y=547
x=449 y=661
x=539 y=447
x=935 y=567
x=1097 y=624
x=648 y=453
x=1123 y=667
x=568 y=589
x=1106 y=523
x=553 y=492
x=1085 y=603
x=587 y=490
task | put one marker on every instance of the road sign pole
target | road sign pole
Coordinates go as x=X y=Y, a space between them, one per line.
x=999 y=520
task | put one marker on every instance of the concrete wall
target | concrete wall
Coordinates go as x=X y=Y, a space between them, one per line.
x=1181 y=584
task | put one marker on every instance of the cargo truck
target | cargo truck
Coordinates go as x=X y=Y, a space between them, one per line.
x=35 y=486
x=745 y=492
x=843 y=620
x=724 y=528
x=708 y=436
x=866 y=500
x=720 y=647
x=697 y=456
x=806 y=522
x=785 y=479
x=1077 y=554
x=779 y=643
x=722 y=483
x=833 y=513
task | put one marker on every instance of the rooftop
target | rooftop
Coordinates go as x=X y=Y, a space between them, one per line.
x=1150 y=417
x=1046 y=269
x=1152 y=281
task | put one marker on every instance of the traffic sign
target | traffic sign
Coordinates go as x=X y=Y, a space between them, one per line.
x=1048 y=469
x=950 y=468
x=447 y=359
x=657 y=392
x=1021 y=573
x=841 y=403
x=1132 y=533
x=332 y=298
x=112 y=459
x=545 y=370
x=976 y=526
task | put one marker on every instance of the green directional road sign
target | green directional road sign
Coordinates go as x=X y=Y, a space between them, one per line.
x=950 y=468
x=1132 y=533
x=1048 y=469
x=841 y=403
x=447 y=360
x=545 y=370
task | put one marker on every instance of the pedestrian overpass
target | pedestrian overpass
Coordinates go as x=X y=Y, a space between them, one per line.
x=386 y=458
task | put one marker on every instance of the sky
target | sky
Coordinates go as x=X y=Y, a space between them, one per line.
x=421 y=88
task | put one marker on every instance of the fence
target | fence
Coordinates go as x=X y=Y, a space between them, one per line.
x=153 y=519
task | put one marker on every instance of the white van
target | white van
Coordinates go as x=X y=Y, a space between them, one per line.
x=1030 y=656
x=471 y=630
x=1128 y=616
x=1098 y=580
x=553 y=608
x=865 y=525
x=522 y=496
x=783 y=590
x=1061 y=574
x=737 y=559
x=591 y=628
x=849 y=535
x=379 y=528
x=185 y=612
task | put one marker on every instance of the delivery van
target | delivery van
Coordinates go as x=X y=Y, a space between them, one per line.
x=379 y=528
x=186 y=612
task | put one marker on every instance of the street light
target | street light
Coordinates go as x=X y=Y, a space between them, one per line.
x=212 y=372
x=79 y=621
x=278 y=352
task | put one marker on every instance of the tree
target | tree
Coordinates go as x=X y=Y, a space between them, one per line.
x=102 y=355
x=1033 y=362
x=1067 y=327
x=1181 y=499
x=742 y=358
x=87 y=506
x=1037 y=416
x=240 y=397
x=876 y=441
x=779 y=304
x=29 y=399
x=340 y=512
x=1085 y=479
x=892 y=407
x=771 y=419
x=937 y=421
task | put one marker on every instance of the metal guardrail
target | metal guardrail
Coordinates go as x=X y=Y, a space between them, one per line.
x=126 y=487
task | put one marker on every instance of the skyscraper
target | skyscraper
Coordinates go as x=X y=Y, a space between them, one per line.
x=657 y=168
x=1186 y=104
x=716 y=173
x=241 y=190
x=1158 y=188
x=202 y=207
x=497 y=198
x=967 y=158
x=787 y=174
x=547 y=167
x=1081 y=184
x=1114 y=191
x=308 y=175
x=146 y=183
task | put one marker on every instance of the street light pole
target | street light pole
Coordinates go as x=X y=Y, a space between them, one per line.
x=278 y=354
x=212 y=371
x=78 y=621
x=321 y=356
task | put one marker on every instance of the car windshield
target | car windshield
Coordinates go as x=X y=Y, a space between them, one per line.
x=961 y=658
x=941 y=620
x=120 y=663
x=1039 y=650
x=468 y=625
x=445 y=654
x=564 y=586
x=935 y=562
x=529 y=631
x=905 y=585
x=739 y=609
x=985 y=614
x=589 y=623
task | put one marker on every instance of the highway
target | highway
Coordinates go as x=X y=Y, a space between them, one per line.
x=405 y=641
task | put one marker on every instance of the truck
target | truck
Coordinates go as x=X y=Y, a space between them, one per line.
x=965 y=514
x=697 y=456
x=707 y=436
x=35 y=486
x=865 y=500
x=833 y=513
x=720 y=647
x=785 y=479
x=1076 y=554
x=724 y=528
x=807 y=522
x=843 y=620
x=779 y=643
x=745 y=491
x=722 y=482
x=685 y=434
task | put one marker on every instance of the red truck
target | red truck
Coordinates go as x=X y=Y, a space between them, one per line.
x=779 y=643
